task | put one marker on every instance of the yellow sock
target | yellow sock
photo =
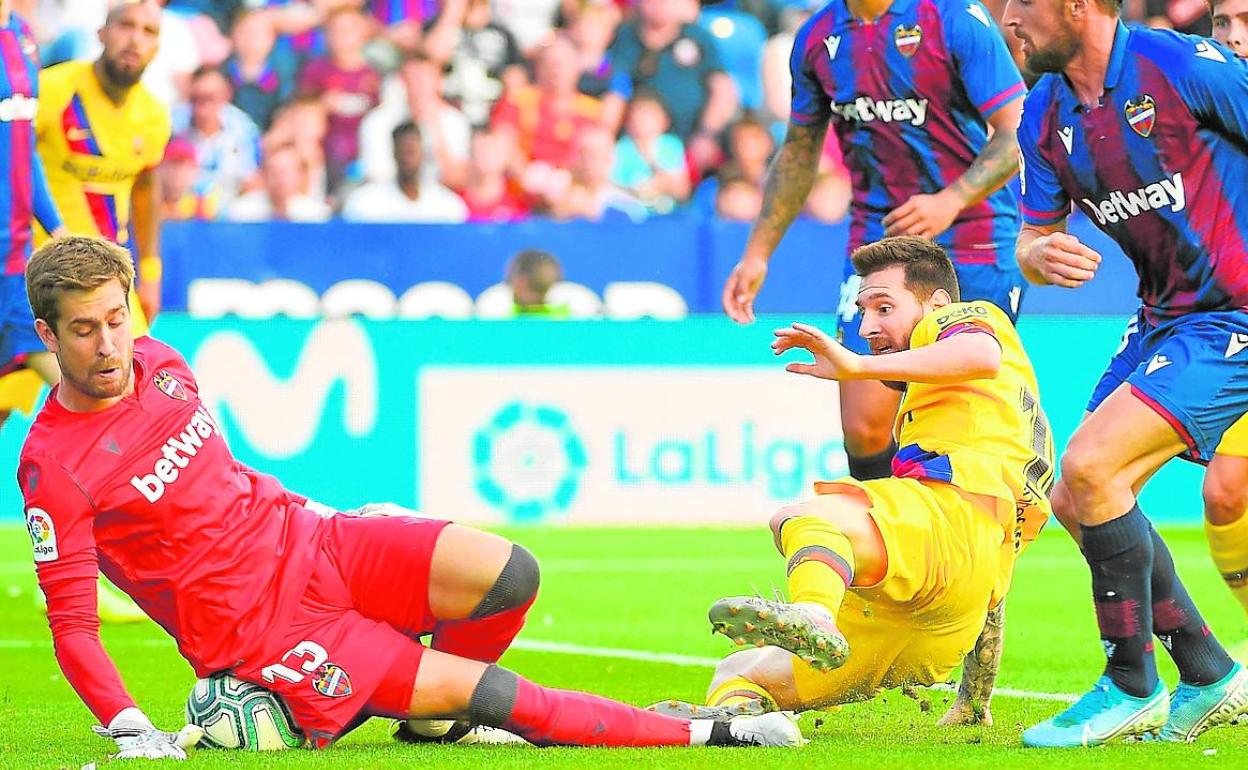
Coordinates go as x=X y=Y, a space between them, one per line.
x=738 y=689
x=821 y=562
x=1228 y=544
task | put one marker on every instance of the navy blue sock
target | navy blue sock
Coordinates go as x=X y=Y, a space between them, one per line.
x=877 y=466
x=1199 y=656
x=1120 y=554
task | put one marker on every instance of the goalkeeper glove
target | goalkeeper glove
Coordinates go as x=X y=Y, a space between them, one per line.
x=137 y=738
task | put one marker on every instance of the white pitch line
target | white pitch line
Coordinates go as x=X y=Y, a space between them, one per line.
x=563 y=648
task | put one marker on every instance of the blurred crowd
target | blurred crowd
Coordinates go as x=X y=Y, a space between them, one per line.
x=477 y=110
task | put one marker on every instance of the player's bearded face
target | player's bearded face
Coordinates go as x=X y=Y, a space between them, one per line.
x=129 y=38
x=1049 y=37
x=94 y=345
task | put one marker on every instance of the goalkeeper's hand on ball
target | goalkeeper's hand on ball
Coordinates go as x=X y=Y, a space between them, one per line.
x=137 y=738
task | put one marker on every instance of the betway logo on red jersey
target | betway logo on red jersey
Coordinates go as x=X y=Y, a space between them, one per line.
x=1119 y=205
x=176 y=455
x=867 y=110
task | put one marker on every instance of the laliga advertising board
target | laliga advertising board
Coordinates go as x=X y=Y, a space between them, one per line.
x=622 y=445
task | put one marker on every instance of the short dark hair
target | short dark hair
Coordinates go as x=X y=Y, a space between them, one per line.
x=402 y=130
x=927 y=266
x=540 y=268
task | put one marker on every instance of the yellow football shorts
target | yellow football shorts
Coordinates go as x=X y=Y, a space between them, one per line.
x=918 y=623
x=19 y=391
x=1235 y=440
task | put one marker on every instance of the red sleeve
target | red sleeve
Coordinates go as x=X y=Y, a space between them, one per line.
x=60 y=518
x=310 y=79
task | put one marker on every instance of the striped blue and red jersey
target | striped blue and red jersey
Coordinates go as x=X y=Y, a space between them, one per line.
x=23 y=187
x=1160 y=164
x=909 y=96
x=394 y=11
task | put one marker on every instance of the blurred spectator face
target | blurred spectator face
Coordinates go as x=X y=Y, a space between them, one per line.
x=409 y=155
x=178 y=170
x=253 y=36
x=308 y=122
x=594 y=27
x=595 y=154
x=738 y=200
x=129 y=37
x=663 y=13
x=477 y=14
x=488 y=154
x=647 y=119
x=346 y=32
x=422 y=80
x=284 y=174
x=209 y=93
x=557 y=67
x=752 y=144
x=531 y=274
x=829 y=198
x=1230 y=25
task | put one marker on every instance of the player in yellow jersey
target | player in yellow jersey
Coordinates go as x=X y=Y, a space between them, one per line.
x=891 y=580
x=100 y=134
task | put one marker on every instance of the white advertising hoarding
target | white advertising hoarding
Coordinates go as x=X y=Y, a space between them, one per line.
x=697 y=445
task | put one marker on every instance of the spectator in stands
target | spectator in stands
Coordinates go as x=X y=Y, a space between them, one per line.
x=663 y=52
x=347 y=85
x=426 y=27
x=182 y=196
x=542 y=122
x=226 y=141
x=737 y=199
x=209 y=21
x=284 y=196
x=750 y=147
x=530 y=21
x=485 y=64
x=1190 y=16
x=414 y=93
x=777 y=79
x=411 y=197
x=531 y=274
x=262 y=78
x=488 y=193
x=591 y=194
x=828 y=200
x=302 y=124
x=592 y=29
x=649 y=162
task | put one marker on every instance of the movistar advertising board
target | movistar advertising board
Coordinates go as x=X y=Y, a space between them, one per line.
x=580 y=423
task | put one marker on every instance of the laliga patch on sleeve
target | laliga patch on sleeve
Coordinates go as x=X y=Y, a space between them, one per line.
x=42 y=534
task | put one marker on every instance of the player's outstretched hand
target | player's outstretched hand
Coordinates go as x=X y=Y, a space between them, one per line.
x=833 y=361
x=926 y=216
x=137 y=738
x=742 y=287
x=1062 y=260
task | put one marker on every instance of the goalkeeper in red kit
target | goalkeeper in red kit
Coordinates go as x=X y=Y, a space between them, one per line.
x=125 y=472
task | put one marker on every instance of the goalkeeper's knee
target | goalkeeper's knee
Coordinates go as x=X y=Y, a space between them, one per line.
x=516 y=585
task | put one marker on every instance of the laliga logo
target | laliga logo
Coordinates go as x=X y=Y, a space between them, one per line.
x=528 y=461
x=42 y=534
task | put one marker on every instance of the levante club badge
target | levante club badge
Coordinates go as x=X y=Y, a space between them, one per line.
x=908 y=39
x=169 y=385
x=1141 y=115
x=331 y=681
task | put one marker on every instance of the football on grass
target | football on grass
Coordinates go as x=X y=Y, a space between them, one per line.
x=240 y=715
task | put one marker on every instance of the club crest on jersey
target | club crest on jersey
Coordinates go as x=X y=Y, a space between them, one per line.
x=169 y=385
x=1141 y=115
x=908 y=39
x=331 y=681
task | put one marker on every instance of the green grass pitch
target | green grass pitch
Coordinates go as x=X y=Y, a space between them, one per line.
x=646 y=591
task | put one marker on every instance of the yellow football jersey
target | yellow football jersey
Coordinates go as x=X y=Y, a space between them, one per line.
x=988 y=437
x=92 y=149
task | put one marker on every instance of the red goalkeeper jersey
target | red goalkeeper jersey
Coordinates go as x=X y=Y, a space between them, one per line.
x=148 y=493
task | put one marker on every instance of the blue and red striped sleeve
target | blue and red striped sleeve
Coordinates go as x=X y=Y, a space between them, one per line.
x=983 y=60
x=1044 y=201
x=42 y=205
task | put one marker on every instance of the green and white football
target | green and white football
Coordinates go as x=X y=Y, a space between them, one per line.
x=240 y=715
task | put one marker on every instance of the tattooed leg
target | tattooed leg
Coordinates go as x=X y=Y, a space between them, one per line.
x=979 y=674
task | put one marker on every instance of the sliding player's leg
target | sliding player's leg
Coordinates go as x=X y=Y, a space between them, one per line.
x=830 y=543
x=427 y=684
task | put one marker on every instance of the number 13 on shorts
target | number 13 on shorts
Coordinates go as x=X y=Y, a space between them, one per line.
x=308 y=655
